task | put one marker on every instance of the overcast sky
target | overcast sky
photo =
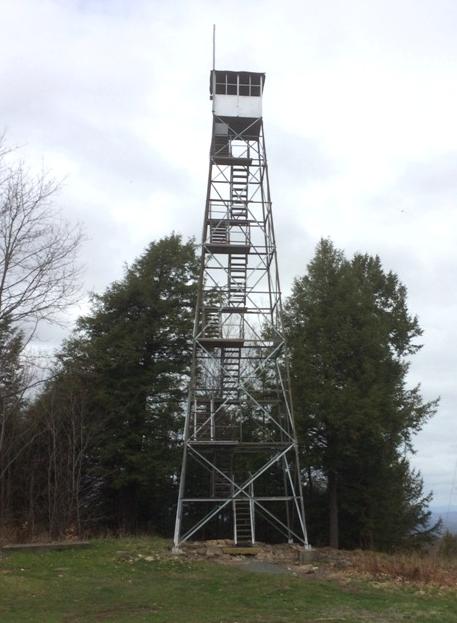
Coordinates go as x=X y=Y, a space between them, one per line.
x=360 y=110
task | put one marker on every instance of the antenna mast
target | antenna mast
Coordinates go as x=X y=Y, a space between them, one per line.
x=214 y=47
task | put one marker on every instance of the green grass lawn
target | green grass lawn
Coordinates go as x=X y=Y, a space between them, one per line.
x=107 y=582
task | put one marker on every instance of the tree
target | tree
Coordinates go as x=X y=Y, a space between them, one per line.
x=13 y=383
x=131 y=354
x=38 y=250
x=38 y=280
x=56 y=491
x=350 y=336
x=99 y=445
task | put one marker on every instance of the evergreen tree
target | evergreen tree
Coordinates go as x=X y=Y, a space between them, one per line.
x=132 y=354
x=350 y=335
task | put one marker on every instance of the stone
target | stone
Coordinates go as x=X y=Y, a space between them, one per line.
x=212 y=551
x=308 y=569
x=241 y=551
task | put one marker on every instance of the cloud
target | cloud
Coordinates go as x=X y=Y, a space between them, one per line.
x=436 y=176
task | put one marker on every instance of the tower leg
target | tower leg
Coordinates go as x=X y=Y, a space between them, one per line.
x=300 y=499
x=286 y=488
x=182 y=482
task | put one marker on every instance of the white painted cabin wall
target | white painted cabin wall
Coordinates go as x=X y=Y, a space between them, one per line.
x=238 y=106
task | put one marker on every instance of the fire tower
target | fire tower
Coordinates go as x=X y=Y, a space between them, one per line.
x=240 y=458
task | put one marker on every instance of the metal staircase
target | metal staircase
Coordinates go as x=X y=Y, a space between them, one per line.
x=230 y=376
x=243 y=533
x=219 y=232
x=237 y=275
x=211 y=322
x=239 y=182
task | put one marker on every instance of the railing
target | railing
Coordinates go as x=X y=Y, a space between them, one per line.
x=226 y=232
x=210 y=423
x=221 y=211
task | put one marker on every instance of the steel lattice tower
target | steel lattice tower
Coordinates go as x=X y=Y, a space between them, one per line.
x=240 y=458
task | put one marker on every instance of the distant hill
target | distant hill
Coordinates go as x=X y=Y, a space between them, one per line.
x=449 y=518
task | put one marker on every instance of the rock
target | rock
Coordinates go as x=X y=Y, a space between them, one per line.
x=201 y=551
x=212 y=551
x=124 y=555
x=217 y=542
x=307 y=569
x=267 y=556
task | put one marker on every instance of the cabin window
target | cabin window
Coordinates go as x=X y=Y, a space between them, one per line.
x=231 y=83
x=244 y=85
x=255 y=85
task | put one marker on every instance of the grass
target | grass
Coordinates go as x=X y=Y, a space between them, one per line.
x=424 y=569
x=135 y=580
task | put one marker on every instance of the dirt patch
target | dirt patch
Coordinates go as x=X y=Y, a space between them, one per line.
x=262 y=558
x=259 y=566
x=219 y=548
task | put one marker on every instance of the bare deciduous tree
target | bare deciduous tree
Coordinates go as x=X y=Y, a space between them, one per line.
x=38 y=268
x=39 y=278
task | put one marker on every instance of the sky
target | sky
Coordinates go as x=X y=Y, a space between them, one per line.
x=360 y=101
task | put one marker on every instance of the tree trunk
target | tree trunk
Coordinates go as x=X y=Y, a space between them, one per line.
x=333 y=504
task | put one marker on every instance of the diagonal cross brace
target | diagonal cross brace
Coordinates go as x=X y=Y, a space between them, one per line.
x=240 y=488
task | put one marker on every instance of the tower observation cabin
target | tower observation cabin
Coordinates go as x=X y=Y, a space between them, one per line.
x=237 y=93
x=237 y=106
